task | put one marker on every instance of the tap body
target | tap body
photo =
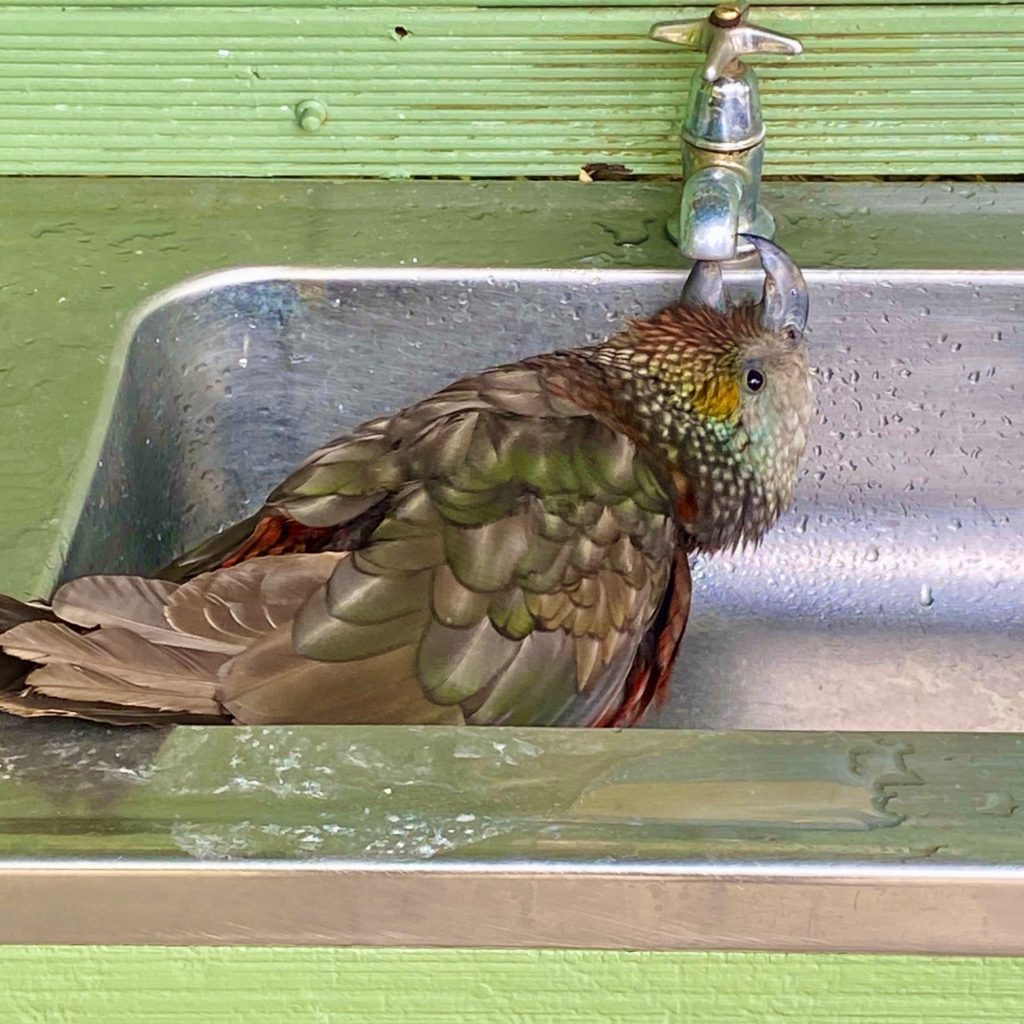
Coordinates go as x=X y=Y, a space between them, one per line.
x=723 y=149
x=723 y=135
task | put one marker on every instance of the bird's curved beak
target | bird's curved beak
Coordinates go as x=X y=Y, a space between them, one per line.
x=784 y=302
x=705 y=287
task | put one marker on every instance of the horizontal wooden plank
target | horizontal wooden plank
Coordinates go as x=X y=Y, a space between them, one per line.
x=508 y=91
x=126 y=985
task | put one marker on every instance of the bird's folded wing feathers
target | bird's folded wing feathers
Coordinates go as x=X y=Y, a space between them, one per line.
x=518 y=552
x=523 y=557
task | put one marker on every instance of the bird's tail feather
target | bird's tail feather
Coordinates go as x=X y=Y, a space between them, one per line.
x=15 y=613
x=127 y=649
x=53 y=689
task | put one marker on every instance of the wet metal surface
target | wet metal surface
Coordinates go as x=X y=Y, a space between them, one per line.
x=577 y=838
x=892 y=597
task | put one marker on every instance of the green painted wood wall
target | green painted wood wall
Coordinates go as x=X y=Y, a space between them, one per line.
x=509 y=88
x=118 y=985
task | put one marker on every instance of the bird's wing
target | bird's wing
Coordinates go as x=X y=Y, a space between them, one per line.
x=507 y=554
x=649 y=676
x=523 y=556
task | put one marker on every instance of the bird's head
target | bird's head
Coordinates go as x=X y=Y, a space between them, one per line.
x=724 y=391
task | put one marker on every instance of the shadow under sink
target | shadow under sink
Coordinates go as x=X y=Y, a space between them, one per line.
x=890 y=598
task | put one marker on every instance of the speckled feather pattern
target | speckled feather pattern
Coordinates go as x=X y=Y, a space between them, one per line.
x=673 y=383
x=511 y=550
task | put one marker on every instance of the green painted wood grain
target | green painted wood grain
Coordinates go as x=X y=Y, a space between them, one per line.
x=123 y=985
x=507 y=91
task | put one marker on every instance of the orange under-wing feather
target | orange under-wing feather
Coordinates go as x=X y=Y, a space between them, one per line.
x=277 y=534
x=649 y=677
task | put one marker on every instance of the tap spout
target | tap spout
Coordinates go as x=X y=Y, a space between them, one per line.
x=709 y=217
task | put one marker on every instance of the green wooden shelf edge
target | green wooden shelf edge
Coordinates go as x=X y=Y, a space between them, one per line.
x=118 y=985
x=500 y=91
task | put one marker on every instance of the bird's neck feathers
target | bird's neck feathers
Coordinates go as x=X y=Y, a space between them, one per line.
x=672 y=384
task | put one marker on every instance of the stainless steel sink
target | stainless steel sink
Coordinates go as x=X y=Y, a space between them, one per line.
x=892 y=597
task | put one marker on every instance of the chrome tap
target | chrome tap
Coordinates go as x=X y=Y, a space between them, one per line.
x=723 y=133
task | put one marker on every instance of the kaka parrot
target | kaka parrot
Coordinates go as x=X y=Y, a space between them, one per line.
x=513 y=550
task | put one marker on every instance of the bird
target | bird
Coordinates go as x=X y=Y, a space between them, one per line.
x=512 y=550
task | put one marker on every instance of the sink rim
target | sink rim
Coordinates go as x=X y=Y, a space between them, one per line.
x=199 y=284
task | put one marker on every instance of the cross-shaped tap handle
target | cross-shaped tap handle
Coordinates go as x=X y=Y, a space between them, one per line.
x=725 y=37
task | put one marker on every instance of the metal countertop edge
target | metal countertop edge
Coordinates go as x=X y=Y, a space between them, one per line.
x=207 y=281
x=786 y=907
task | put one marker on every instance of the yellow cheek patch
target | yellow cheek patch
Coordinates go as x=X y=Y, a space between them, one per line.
x=719 y=398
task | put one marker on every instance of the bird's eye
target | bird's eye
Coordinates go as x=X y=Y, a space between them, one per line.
x=754 y=380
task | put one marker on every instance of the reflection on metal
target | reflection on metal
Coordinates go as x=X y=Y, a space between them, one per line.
x=912 y=479
x=897 y=912
x=511 y=837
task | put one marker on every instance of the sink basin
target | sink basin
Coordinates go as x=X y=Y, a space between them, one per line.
x=891 y=598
